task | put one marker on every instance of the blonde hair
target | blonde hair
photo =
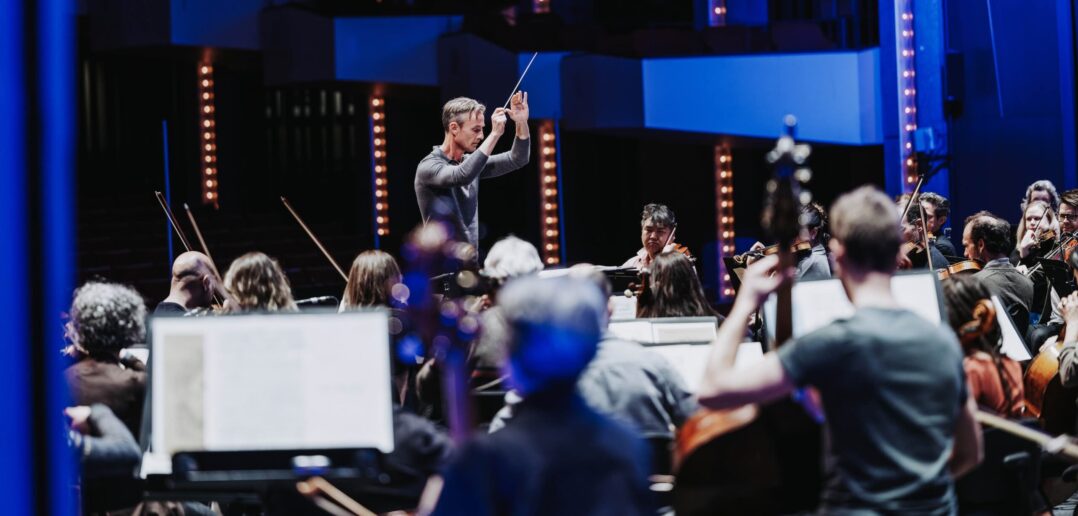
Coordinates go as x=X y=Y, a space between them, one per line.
x=864 y=220
x=256 y=282
x=1048 y=218
x=371 y=280
x=457 y=109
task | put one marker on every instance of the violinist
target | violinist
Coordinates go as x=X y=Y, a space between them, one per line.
x=937 y=208
x=194 y=281
x=657 y=228
x=817 y=263
x=1043 y=191
x=1068 y=355
x=256 y=283
x=914 y=250
x=1036 y=234
x=995 y=381
x=901 y=427
x=986 y=238
x=813 y=262
x=1068 y=212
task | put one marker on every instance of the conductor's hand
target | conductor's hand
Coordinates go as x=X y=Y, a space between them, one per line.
x=518 y=108
x=761 y=278
x=497 y=122
x=79 y=418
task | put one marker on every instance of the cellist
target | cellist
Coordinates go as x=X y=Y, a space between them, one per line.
x=900 y=420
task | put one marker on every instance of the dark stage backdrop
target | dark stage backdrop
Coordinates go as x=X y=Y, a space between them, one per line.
x=310 y=143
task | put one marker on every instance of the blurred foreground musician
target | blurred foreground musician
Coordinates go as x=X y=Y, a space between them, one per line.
x=901 y=425
x=557 y=456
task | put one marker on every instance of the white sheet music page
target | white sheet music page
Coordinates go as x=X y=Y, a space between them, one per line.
x=291 y=381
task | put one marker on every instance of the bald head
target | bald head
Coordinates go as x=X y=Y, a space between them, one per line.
x=194 y=279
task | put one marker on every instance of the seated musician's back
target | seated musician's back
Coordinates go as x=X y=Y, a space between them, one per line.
x=557 y=456
x=891 y=383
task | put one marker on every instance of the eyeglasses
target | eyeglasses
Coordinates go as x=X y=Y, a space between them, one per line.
x=1068 y=216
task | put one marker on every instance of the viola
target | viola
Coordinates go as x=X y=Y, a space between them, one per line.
x=799 y=248
x=964 y=266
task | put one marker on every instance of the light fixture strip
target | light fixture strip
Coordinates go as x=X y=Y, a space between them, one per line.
x=548 y=193
x=724 y=214
x=207 y=143
x=379 y=170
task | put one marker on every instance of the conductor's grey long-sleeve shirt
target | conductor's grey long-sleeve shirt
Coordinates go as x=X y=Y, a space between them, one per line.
x=439 y=179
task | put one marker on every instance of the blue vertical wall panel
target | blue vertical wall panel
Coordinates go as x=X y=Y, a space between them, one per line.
x=601 y=92
x=16 y=488
x=56 y=40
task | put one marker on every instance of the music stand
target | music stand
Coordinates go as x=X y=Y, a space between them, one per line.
x=245 y=404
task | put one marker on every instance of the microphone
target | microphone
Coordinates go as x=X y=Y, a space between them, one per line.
x=320 y=300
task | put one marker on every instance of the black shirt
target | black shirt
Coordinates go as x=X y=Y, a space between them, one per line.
x=557 y=456
x=169 y=308
x=893 y=387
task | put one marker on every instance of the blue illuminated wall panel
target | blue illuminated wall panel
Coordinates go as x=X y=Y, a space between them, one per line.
x=543 y=83
x=402 y=50
x=216 y=23
x=835 y=96
x=601 y=92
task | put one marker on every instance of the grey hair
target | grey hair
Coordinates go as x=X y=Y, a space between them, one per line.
x=456 y=109
x=511 y=257
x=659 y=214
x=105 y=318
x=1043 y=185
x=556 y=324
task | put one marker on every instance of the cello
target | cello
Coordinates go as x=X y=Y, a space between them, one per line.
x=758 y=459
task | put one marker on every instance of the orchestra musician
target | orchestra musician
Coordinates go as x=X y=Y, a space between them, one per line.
x=986 y=238
x=256 y=283
x=1043 y=191
x=104 y=319
x=901 y=427
x=817 y=263
x=675 y=290
x=658 y=226
x=913 y=235
x=937 y=208
x=1036 y=233
x=449 y=176
x=557 y=455
x=629 y=383
x=371 y=280
x=1068 y=212
x=194 y=282
x=995 y=381
x=1068 y=355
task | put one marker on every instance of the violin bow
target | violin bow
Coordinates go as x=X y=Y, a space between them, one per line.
x=198 y=232
x=924 y=235
x=314 y=239
x=1059 y=445
x=172 y=220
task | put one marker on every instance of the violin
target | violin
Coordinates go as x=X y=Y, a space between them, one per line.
x=798 y=249
x=964 y=266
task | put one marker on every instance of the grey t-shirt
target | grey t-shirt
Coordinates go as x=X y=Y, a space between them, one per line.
x=893 y=387
x=455 y=185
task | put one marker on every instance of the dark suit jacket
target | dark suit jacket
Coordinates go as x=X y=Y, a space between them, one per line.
x=93 y=380
x=1014 y=290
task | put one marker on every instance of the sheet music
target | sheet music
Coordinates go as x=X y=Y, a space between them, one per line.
x=819 y=302
x=1013 y=345
x=286 y=381
x=690 y=360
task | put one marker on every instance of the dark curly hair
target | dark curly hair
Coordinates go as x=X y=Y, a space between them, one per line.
x=104 y=318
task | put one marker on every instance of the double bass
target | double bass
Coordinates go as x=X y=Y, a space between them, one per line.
x=758 y=459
